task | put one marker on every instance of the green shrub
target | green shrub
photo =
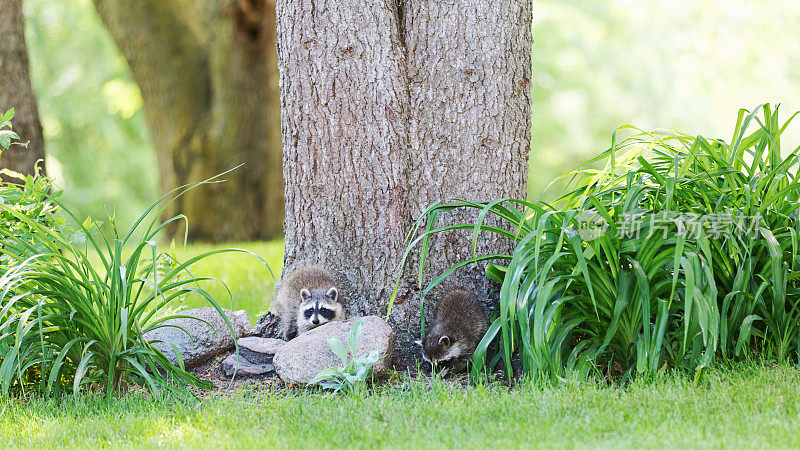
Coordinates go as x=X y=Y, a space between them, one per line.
x=69 y=321
x=7 y=138
x=35 y=200
x=679 y=250
x=7 y=135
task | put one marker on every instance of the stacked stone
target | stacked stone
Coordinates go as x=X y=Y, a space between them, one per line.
x=254 y=357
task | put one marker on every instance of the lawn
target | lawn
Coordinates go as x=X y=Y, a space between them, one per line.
x=747 y=406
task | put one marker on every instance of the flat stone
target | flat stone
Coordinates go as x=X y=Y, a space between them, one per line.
x=259 y=350
x=196 y=340
x=243 y=367
x=299 y=360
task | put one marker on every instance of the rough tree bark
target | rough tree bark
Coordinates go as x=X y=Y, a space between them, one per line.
x=207 y=71
x=16 y=91
x=386 y=109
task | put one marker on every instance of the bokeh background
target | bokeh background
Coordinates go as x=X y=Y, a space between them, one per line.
x=677 y=64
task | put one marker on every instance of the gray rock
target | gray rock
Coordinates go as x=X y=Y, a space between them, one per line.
x=196 y=341
x=299 y=361
x=259 y=350
x=243 y=367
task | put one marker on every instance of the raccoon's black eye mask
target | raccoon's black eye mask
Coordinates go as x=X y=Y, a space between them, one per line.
x=327 y=313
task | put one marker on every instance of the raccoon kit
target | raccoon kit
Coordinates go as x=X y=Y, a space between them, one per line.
x=458 y=326
x=306 y=299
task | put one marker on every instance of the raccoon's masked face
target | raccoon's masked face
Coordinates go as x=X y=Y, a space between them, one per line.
x=319 y=307
x=441 y=351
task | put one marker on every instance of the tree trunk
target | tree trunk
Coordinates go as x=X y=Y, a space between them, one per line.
x=345 y=124
x=16 y=91
x=208 y=76
x=469 y=70
x=387 y=109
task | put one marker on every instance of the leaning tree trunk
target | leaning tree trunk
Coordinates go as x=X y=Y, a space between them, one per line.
x=207 y=71
x=16 y=91
x=386 y=109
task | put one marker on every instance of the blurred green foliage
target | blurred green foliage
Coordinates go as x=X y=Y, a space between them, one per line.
x=681 y=64
x=98 y=146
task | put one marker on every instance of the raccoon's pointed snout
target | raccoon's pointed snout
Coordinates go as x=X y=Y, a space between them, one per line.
x=315 y=317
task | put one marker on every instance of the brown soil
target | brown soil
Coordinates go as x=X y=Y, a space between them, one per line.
x=211 y=370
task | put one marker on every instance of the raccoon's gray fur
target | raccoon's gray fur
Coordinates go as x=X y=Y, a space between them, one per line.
x=306 y=299
x=459 y=324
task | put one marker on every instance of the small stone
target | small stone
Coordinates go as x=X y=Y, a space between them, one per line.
x=245 y=368
x=259 y=350
x=301 y=359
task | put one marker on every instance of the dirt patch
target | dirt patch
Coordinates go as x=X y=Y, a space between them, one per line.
x=211 y=370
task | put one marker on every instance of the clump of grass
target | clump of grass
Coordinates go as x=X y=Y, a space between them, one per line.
x=67 y=321
x=680 y=250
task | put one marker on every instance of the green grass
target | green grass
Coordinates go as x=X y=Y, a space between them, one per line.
x=745 y=406
x=248 y=280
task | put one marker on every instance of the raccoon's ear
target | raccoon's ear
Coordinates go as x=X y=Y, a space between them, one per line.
x=332 y=293
x=444 y=341
x=418 y=342
x=304 y=294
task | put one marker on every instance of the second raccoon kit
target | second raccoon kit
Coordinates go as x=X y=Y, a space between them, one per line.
x=459 y=324
x=306 y=299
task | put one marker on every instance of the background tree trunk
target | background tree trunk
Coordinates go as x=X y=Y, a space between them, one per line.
x=16 y=92
x=386 y=110
x=208 y=76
